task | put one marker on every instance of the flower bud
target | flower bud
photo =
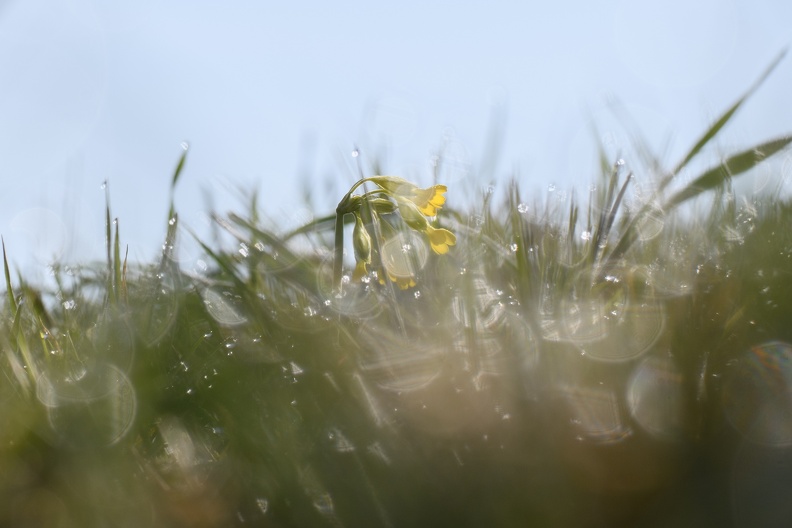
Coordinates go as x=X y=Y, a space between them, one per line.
x=361 y=241
x=412 y=216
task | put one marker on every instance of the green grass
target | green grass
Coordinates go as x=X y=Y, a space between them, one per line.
x=602 y=364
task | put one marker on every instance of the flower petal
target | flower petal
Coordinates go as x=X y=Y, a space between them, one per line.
x=360 y=270
x=440 y=239
x=429 y=200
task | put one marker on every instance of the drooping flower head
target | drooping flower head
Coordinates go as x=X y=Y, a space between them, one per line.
x=415 y=206
x=427 y=200
x=440 y=239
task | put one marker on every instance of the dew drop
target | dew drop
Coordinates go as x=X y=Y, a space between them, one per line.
x=522 y=208
x=513 y=247
x=551 y=187
x=104 y=185
x=619 y=162
x=417 y=294
x=355 y=153
x=184 y=145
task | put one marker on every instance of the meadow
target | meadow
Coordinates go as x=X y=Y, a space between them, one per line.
x=623 y=359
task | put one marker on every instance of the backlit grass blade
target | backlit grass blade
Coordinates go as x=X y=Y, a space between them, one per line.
x=9 y=291
x=179 y=167
x=733 y=166
x=325 y=223
x=108 y=237
x=174 y=180
x=719 y=124
x=116 y=265
x=169 y=248
x=22 y=345
x=711 y=180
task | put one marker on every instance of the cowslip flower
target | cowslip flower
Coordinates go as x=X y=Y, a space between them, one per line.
x=402 y=282
x=439 y=239
x=427 y=200
x=415 y=205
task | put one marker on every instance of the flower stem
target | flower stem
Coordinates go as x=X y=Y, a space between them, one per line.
x=339 y=250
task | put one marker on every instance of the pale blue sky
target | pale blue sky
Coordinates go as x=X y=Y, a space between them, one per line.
x=270 y=95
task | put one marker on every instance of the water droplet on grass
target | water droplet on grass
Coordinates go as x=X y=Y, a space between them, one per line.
x=522 y=208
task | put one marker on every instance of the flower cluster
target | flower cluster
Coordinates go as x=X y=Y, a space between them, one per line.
x=413 y=204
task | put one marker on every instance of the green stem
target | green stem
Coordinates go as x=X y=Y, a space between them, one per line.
x=339 y=250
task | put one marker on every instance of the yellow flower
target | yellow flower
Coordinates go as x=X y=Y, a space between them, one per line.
x=429 y=200
x=440 y=239
x=360 y=270
x=402 y=282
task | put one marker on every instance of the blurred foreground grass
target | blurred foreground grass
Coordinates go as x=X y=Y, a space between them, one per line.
x=609 y=363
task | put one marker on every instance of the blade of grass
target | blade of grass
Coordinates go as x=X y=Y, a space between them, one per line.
x=24 y=349
x=174 y=180
x=711 y=179
x=9 y=291
x=170 y=242
x=325 y=223
x=720 y=122
x=116 y=265
x=733 y=166
x=124 y=291
x=108 y=238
